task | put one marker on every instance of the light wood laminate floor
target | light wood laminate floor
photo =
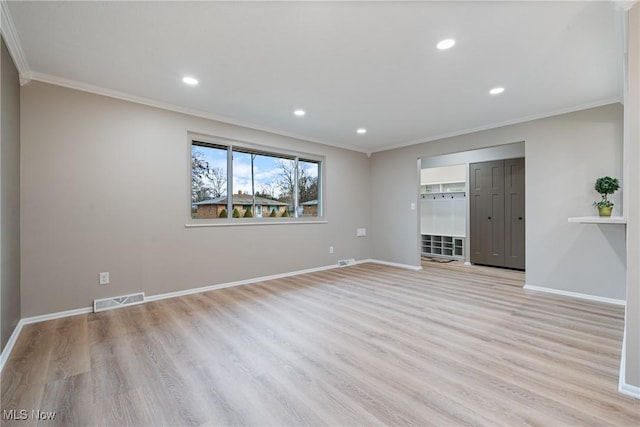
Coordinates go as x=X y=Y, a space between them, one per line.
x=362 y=345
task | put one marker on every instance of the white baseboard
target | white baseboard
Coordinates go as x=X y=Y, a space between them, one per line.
x=35 y=319
x=575 y=295
x=58 y=315
x=394 y=264
x=4 y=356
x=9 y=346
x=629 y=390
x=238 y=283
x=623 y=387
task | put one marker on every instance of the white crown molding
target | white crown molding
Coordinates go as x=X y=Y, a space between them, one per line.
x=10 y=36
x=625 y=5
x=524 y=119
x=98 y=90
x=7 y=28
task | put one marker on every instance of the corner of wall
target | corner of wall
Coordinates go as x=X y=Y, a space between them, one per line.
x=10 y=311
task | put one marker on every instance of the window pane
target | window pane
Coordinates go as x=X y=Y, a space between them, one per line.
x=262 y=185
x=208 y=182
x=308 y=190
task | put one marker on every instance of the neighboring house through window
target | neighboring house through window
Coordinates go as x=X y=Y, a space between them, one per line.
x=262 y=183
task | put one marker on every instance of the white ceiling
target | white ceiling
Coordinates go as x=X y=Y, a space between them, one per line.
x=353 y=64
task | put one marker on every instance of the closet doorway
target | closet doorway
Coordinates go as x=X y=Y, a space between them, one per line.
x=446 y=194
x=443 y=212
x=496 y=208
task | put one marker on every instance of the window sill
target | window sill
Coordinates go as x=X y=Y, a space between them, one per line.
x=241 y=223
x=599 y=220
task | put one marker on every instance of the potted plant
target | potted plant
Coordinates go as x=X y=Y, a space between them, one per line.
x=605 y=186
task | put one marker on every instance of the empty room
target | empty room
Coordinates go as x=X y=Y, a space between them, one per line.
x=326 y=213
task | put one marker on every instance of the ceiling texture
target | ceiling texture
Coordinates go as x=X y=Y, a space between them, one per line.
x=369 y=64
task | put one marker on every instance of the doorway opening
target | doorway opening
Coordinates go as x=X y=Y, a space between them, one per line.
x=448 y=214
x=443 y=212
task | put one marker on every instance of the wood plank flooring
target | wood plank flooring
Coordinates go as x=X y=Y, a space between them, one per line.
x=362 y=345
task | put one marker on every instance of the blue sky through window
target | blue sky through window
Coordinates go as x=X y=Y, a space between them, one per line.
x=267 y=169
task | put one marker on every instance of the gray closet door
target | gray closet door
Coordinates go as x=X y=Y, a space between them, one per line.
x=496 y=197
x=477 y=214
x=514 y=213
x=486 y=187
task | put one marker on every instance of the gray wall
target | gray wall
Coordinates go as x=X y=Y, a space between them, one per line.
x=105 y=187
x=632 y=112
x=564 y=155
x=9 y=196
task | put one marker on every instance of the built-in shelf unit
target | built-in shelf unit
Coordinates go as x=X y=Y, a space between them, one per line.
x=442 y=188
x=443 y=246
x=443 y=207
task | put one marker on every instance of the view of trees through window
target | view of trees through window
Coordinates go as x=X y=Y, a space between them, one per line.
x=262 y=184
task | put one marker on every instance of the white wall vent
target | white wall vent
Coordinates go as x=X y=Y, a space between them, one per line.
x=346 y=262
x=117 y=302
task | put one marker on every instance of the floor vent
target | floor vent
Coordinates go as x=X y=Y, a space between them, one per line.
x=117 y=302
x=346 y=262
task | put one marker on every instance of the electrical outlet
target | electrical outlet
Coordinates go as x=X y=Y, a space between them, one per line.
x=104 y=278
x=330 y=249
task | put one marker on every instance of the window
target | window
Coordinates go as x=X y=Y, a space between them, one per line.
x=308 y=195
x=262 y=184
x=208 y=181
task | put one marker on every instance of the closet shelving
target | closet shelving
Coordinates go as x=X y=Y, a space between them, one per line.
x=442 y=246
x=443 y=222
x=442 y=188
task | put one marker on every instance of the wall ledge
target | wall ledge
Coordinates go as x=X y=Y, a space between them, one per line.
x=599 y=219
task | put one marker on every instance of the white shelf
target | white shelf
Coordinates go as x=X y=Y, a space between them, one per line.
x=599 y=220
x=443 y=182
x=443 y=246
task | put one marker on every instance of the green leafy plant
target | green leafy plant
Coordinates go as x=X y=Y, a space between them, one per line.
x=223 y=213
x=236 y=213
x=285 y=213
x=248 y=213
x=605 y=186
x=273 y=213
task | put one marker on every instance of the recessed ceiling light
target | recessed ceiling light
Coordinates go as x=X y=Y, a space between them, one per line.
x=299 y=112
x=496 y=90
x=189 y=81
x=446 y=44
x=361 y=131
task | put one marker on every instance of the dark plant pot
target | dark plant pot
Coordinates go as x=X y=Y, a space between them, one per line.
x=605 y=211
